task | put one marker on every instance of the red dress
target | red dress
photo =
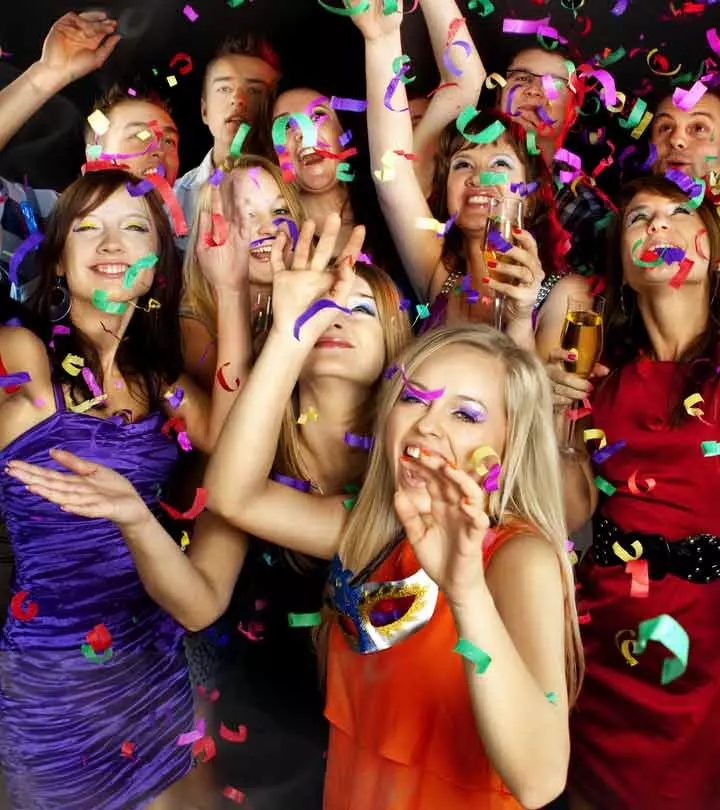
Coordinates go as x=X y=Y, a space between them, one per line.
x=638 y=745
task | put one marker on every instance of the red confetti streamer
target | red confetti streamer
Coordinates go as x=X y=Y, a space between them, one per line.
x=597 y=285
x=640 y=582
x=441 y=87
x=182 y=57
x=218 y=234
x=23 y=614
x=348 y=153
x=204 y=749
x=455 y=26
x=127 y=749
x=220 y=374
x=197 y=507
x=99 y=638
x=171 y=201
x=648 y=485
x=238 y=736
x=683 y=272
x=234 y=794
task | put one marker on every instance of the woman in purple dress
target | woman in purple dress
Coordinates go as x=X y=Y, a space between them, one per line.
x=94 y=690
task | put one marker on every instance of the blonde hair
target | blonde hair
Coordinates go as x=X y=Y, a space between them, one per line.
x=397 y=334
x=198 y=299
x=529 y=487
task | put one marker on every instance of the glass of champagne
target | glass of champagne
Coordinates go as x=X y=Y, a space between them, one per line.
x=505 y=214
x=583 y=334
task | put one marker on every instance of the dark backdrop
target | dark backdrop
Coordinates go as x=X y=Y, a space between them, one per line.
x=316 y=48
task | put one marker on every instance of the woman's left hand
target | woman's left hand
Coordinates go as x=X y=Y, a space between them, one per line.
x=448 y=541
x=222 y=248
x=525 y=276
x=89 y=490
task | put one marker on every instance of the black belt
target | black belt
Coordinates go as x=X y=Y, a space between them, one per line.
x=695 y=558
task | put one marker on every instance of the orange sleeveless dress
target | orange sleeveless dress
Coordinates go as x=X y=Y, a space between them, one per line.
x=402 y=730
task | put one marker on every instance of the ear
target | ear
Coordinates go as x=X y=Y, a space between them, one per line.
x=203 y=110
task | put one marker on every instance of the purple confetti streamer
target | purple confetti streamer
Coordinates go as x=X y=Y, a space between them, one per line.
x=456 y=71
x=58 y=330
x=356 y=440
x=599 y=456
x=392 y=87
x=295 y=483
x=345 y=138
x=257 y=242
x=184 y=441
x=177 y=397
x=312 y=310
x=652 y=157
x=393 y=369
x=491 y=481
x=619 y=8
x=544 y=116
x=523 y=189
x=139 y=189
x=364 y=258
x=425 y=396
x=292 y=227
x=405 y=303
x=348 y=104
x=130 y=155
x=498 y=241
x=31 y=243
x=19 y=378
x=91 y=382
x=216 y=177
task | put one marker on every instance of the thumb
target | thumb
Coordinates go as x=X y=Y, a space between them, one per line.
x=409 y=517
x=599 y=370
x=74 y=463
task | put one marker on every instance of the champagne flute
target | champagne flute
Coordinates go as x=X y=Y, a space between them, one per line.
x=505 y=214
x=583 y=334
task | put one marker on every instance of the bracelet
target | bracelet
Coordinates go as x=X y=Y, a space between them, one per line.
x=473 y=654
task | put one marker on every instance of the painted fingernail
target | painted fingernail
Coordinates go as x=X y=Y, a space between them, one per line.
x=425 y=452
x=517 y=230
x=466 y=501
x=485 y=279
x=492 y=263
x=451 y=465
x=572 y=355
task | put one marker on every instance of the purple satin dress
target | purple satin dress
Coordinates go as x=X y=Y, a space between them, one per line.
x=64 y=718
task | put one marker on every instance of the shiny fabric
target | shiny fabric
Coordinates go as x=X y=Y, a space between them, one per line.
x=403 y=733
x=636 y=744
x=64 y=718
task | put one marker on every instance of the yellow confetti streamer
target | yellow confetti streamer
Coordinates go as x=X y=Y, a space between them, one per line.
x=72 y=364
x=172 y=81
x=626 y=646
x=495 y=80
x=99 y=122
x=82 y=407
x=479 y=455
x=144 y=135
x=642 y=126
x=692 y=400
x=184 y=540
x=387 y=173
x=429 y=224
x=310 y=415
x=595 y=433
x=622 y=98
x=623 y=555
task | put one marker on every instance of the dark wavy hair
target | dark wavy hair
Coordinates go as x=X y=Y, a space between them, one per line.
x=149 y=356
x=626 y=338
x=541 y=218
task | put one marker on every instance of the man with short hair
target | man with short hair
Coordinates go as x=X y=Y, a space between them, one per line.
x=541 y=94
x=237 y=85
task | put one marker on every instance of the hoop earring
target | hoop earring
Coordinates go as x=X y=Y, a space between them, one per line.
x=60 y=303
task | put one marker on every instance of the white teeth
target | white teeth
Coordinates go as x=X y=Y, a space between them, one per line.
x=413 y=451
x=265 y=250
x=477 y=200
x=151 y=171
x=110 y=269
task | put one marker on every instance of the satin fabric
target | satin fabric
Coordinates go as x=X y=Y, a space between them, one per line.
x=64 y=719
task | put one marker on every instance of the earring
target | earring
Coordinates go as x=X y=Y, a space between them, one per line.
x=60 y=303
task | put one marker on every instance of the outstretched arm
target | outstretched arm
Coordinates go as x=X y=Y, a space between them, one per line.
x=76 y=45
x=238 y=476
x=457 y=91
x=390 y=130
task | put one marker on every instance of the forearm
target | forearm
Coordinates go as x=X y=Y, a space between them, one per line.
x=522 y=332
x=234 y=355
x=524 y=734
x=169 y=576
x=21 y=99
x=244 y=454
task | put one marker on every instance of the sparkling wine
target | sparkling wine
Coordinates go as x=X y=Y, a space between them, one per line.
x=583 y=333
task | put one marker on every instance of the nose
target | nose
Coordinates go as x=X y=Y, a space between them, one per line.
x=659 y=222
x=678 y=139
x=240 y=99
x=267 y=227
x=473 y=181
x=110 y=242
x=429 y=423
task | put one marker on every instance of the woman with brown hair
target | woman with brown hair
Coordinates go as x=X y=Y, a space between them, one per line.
x=652 y=570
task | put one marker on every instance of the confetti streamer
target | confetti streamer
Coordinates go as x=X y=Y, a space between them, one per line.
x=478 y=457
x=595 y=433
x=295 y=483
x=239 y=139
x=640 y=578
x=229 y=792
x=312 y=310
x=99 y=638
x=185 y=58
x=91 y=655
x=620 y=552
x=473 y=654
x=91 y=382
x=491 y=481
x=359 y=441
x=713 y=39
x=483 y=7
x=23 y=613
x=392 y=87
x=710 y=449
x=204 y=750
x=604 y=486
x=127 y=749
x=310 y=415
x=175 y=397
x=498 y=241
x=690 y=402
x=220 y=375
x=493 y=179
x=72 y=364
x=346 y=12
x=190 y=13
x=387 y=173
x=648 y=485
x=190 y=514
x=609 y=93
x=98 y=122
x=11 y=382
x=447 y=59
x=348 y=104
x=144 y=263
x=668 y=632
x=238 y=736
x=304 y=619
x=139 y=189
x=305 y=124
x=88 y=404
x=101 y=301
x=686 y=265
x=171 y=203
x=21 y=251
x=626 y=646
x=552 y=697
x=184 y=541
x=488 y=135
x=602 y=455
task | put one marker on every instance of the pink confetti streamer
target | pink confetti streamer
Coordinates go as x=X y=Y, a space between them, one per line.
x=687 y=99
x=190 y=13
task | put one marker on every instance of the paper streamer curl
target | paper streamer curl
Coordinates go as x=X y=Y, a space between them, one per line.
x=312 y=310
x=668 y=632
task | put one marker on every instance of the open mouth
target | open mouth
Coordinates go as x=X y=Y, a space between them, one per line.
x=154 y=170
x=262 y=252
x=309 y=156
x=111 y=269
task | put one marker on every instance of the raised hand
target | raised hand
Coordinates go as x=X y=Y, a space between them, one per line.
x=77 y=44
x=222 y=247
x=448 y=541
x=524 y=276
x=373 y=22
x=313 y=275
x=89 y=490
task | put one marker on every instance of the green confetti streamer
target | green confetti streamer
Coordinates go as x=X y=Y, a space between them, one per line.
x=552 y=697
x=613 y=57
x=710 y=449
x=348 y=503
x=390 y=6
x=144 y=263
x=239 y=139
x=91 y=655
x=604 y=486
x=530 y=143
x=397 y=64
x=344 y=173
x=473 y=654
x=695 y=201
x=304 y=619
x=641 y=262
x=494 y=178
x=100 y=300
x=279 y=129
x=672 y=635
x=486 y=7
x=93 y=152
x=488 y=135
x=635 y=116
x=235 y=3
x=346 y=12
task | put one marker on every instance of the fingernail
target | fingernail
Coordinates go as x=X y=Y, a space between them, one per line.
x=572 y=355
x=451 y=465
x=485 y=279
x=466 y=501
x=590 y=386
x=517 y=230
x=425 y=452
x=492 y=263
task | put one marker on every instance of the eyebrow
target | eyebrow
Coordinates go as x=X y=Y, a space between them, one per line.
x=692 y=113
x=146 y=125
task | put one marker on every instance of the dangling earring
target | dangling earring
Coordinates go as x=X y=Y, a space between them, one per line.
x=60 y=303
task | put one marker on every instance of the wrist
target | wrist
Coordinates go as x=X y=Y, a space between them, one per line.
x=45 y=81
x=135 y=531
x=466 y=607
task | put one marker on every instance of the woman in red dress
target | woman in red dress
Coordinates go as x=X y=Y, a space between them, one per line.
x=645 y=737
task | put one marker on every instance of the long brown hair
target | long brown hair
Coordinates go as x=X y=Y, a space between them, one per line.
x=541 y=219
x=626 y=337
x=149 y=354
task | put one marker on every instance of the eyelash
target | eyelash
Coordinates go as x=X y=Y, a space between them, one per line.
x=681 y=209
x=366 y=308
x=461 y=164
x=502 y=162
x=411 y=399
x=472 y=417
x=282 y=212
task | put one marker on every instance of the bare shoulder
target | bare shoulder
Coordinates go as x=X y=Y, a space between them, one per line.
x=570 y=286
x=524 y=558
x=22 y=350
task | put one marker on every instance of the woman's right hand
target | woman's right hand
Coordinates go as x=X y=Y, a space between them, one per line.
x=312 y=277
x=373 y=23
x=568 y=388
x=222 y=248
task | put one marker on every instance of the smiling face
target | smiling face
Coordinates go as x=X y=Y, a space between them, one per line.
x=470 y=414
x=103 y=244
x=525 y=92
x=233 y=92
x=466 y=196
x=687 y=141
x=353 y=348
x=315 y=174
x=131 y=122
x=652 y=221
x=258 y=201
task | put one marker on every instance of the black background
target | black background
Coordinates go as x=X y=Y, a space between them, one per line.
x=318 y=49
